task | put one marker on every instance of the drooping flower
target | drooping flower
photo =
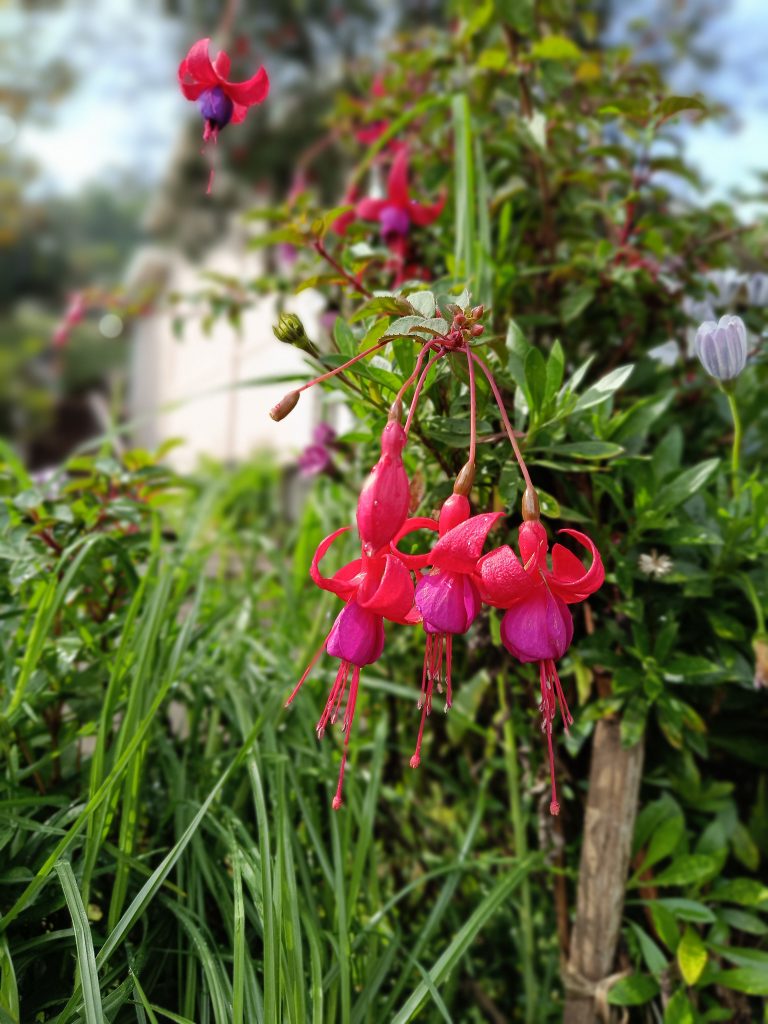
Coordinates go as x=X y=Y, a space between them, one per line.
x=396 y=212
x=373 y=589
x=447 y=596
x=537 y=625
x=722 y=347
x=220 y=101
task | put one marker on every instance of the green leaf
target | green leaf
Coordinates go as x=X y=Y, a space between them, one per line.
x=344 y=338
x=555 y=47
x=555 y=371
x=687 y=870
x=692 y=956
x=687 y=910
x=633 y=991
x=655 y=960
x=86 y=960
x=535 y=378
x=575 y=302
x=589 y=449
x=751 y=980
x=665 y=924
x=746 y=891
x=684 y=486
x=675 y=104
x=604 y=388
x=424 y=303
x=679 y=1010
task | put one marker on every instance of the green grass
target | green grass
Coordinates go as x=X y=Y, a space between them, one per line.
x=156 y=876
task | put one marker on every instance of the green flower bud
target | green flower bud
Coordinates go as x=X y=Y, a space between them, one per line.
x=290 y=330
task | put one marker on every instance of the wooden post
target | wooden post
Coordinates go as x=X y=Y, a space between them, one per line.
x=609 y=821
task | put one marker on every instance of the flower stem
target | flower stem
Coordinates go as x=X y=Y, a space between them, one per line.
x=736 y=449
x=521 y=850
x=419 y=386
x=344 y=366
x=472 y=409
x=749 y=590
x=355 y=281
x=505 y=420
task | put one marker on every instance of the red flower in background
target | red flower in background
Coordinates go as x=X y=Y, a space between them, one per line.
x=397 y=211
x=220 y=100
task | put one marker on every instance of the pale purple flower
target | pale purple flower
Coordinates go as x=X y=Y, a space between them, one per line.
x=314 y=460
x=722 y=347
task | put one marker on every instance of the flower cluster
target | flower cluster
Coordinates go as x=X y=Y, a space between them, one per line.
x=444 y=589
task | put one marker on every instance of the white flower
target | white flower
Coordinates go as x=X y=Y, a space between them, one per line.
x=654 y=564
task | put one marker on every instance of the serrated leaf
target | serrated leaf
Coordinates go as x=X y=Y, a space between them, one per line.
x=692 y=956
x=424 y=303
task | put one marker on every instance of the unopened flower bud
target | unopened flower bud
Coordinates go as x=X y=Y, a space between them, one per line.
x=477 y=312
x=530 y=505
x=455 y=510
x=477 y=330
x=290 y=330
x=383 y=503
x=459 y=320
x=395 y=411
x=284 y=406
x=722 y=347
x=465 y=479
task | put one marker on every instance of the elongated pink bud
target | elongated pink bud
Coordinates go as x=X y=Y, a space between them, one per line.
x=383 y=503
x=285 y=405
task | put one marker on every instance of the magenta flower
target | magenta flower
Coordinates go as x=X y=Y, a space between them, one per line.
x=447 y=596
x=317 y=457
x=220 y=101
x=374 y=589
x=398 y=211
x=537 y=625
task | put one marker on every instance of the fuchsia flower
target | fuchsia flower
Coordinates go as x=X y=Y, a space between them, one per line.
x=375 y=587
x=537 y=625
x=220 y=101
x=317 y=457
x=398 y=211
x=447 y=596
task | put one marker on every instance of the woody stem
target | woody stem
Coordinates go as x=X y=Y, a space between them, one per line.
x=505 y=420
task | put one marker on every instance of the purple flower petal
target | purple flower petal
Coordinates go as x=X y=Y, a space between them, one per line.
x=538 y=629
x=448 y=601
x=357 y=636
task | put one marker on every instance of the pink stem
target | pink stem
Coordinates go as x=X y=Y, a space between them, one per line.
x=505 y=420
x=417 y=369
x=472 y=409
x=419 y=386
x=344 y=366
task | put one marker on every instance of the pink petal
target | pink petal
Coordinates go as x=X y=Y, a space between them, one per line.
x=459 y=549
x=344 y=583
x=423 y=214
x=569 y=579
x=222 y=65
x=503 y=580
x=238 y=113
x=397 y=182
x=369 y=209
x=538 y=628
x=410 y=526
x=198 y=64
x=533 y=544
x=455 y=510
x=357 y=636
x=191 y=90
x=448 y=601
x=386 y=588
x=254 y=90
